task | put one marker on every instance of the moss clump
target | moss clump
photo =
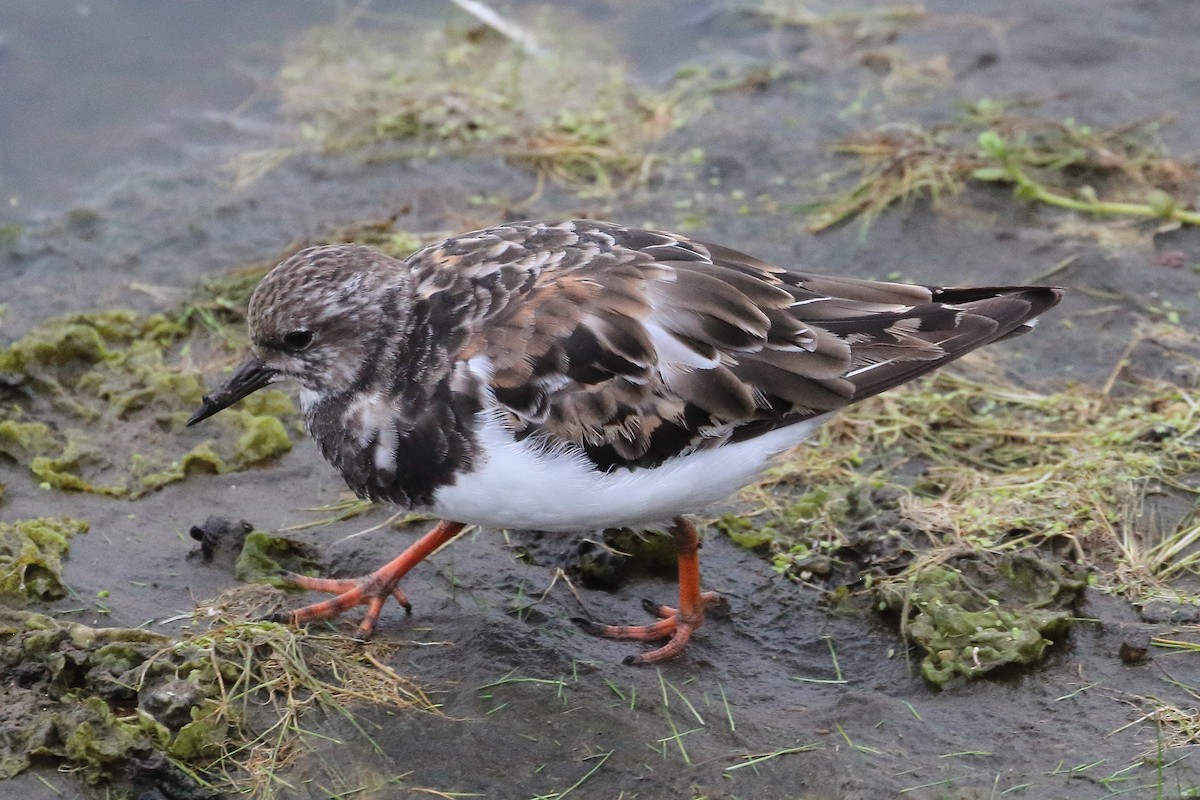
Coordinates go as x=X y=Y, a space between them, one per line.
x=72 y=678
x=92 y=737
x=103 y=410
x=218 y=305
x=20 y=438
x=264 y=558
x=971 y=476
x=744 y=534
x=976 y=614
x=622 y=553
x=264 y=438
x=957 y=465
x=127 y=705
x=31 y=553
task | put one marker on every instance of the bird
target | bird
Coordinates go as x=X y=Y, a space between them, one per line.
x=579 y=375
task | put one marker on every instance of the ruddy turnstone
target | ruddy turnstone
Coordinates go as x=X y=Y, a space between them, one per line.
x=566 y=376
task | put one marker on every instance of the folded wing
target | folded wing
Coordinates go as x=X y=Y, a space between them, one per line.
x=637 y=346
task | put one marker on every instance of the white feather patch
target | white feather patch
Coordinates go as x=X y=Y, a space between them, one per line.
x=384 y=456
x=674 y=354
x=516 y=484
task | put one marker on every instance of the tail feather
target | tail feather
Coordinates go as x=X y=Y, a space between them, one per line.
x=982 y=316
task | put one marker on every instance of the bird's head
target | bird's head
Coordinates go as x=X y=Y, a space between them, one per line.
x=311 y=320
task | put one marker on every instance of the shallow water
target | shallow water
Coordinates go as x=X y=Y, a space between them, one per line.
x=135 y=140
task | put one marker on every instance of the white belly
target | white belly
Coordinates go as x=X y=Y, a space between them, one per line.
x=517 y=486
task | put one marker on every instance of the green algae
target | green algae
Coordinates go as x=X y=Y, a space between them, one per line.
x=624 y=551
x=83 y=338
x=103 y=408
x=1057 y=163
x=10 y=237
x=103 y=700
x=978 y=614
x=264 y=558
x=950 y=469
x=31 y=553
x=971 y=465
x=819 y=508
x=217 y=305
x=92 y=737
x=74 y=678
x=75 y=707
x=744 y=534
x=264 y=437
x=20 y=439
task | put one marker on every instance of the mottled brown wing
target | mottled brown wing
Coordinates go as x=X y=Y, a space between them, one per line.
x=638 y=346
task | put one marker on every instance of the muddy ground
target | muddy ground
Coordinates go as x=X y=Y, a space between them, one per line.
x=531 y=707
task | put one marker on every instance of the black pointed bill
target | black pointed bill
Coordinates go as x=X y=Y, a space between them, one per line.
x=248 y=378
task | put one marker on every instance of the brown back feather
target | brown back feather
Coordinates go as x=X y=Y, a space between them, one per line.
x=637 y=346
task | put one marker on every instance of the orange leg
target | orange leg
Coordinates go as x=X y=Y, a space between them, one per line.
x=676 y=624
x=369 y=590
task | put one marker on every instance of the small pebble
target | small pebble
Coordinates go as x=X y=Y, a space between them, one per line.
x=1134 y=647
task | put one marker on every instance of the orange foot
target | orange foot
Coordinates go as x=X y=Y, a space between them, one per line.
x=675 y=624
x=675 y=627
x=371 y=590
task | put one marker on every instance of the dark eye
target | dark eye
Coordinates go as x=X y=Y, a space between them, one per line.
x=297 y=340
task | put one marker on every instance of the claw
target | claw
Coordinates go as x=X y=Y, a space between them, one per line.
x=674 y=624
x=371 y=590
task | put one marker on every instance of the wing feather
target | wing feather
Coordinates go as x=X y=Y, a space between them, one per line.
x=637 y=346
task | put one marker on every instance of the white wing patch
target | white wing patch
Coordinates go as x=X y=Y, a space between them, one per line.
x=674 y=354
